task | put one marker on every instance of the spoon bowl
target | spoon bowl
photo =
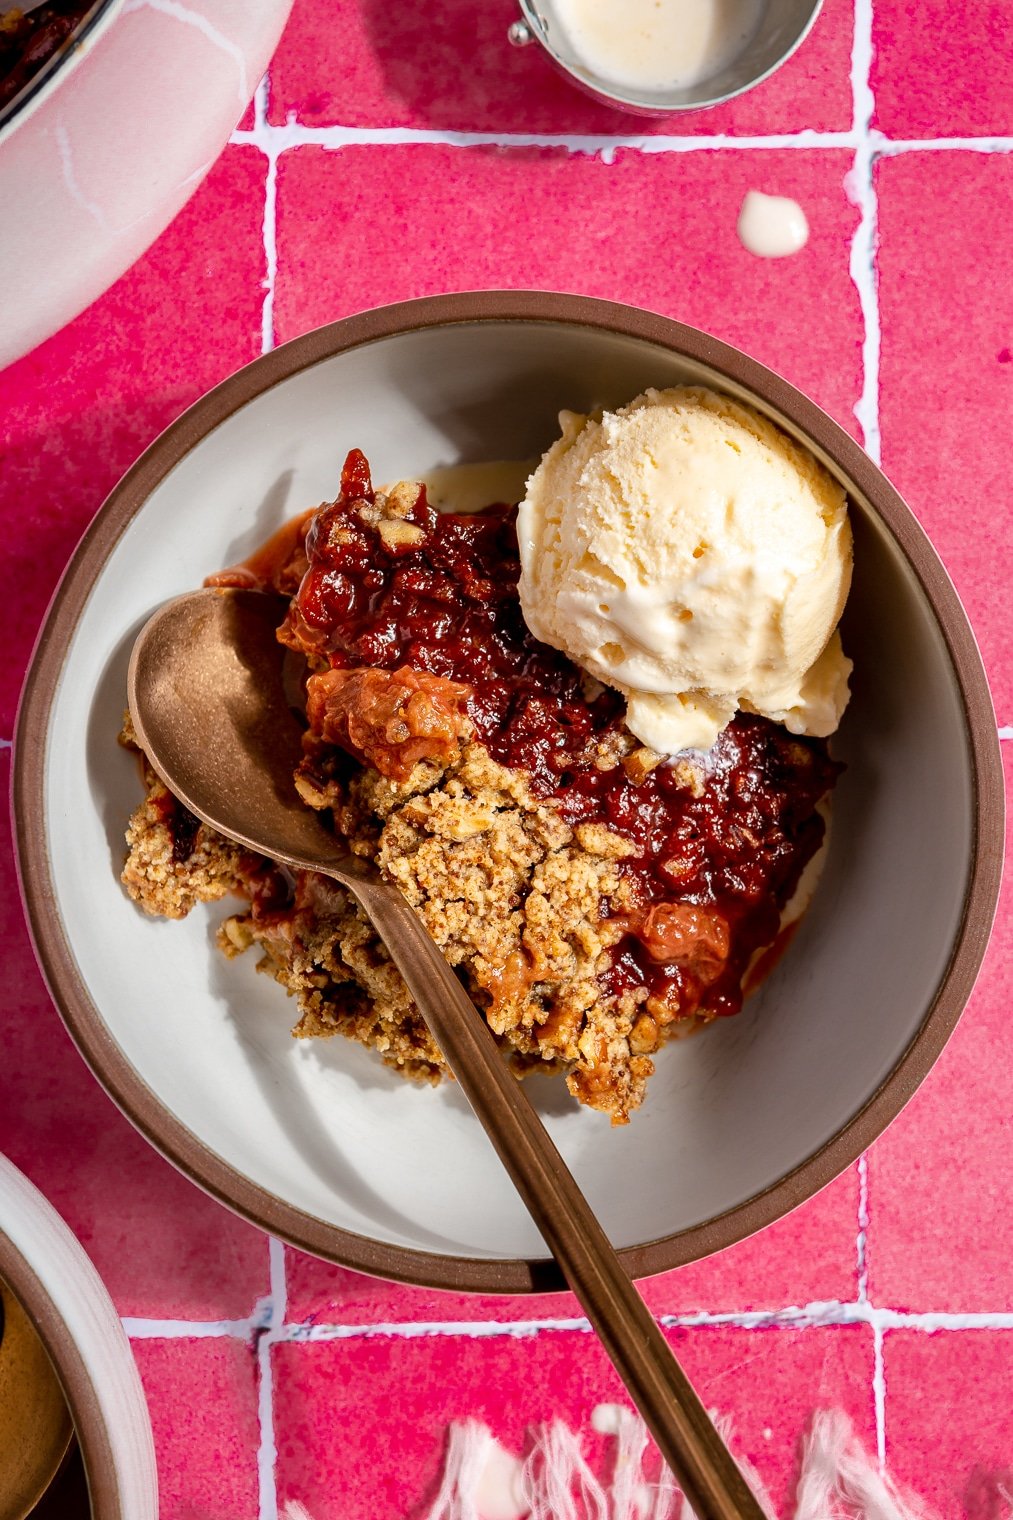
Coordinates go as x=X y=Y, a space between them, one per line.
x=205 y=684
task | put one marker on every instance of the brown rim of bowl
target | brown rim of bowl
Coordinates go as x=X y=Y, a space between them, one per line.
x=74 y=1377
x=139 y=1102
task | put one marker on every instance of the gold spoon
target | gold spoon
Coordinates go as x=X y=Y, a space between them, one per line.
x=209 y=708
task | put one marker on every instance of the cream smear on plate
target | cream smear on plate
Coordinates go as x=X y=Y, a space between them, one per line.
x=772 y=226
x=657 y=44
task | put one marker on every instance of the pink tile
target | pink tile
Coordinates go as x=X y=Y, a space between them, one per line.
x=946 y=295
x=164 y=1249
x=459 y=219
x=939 y=1177
x=360 y=1424
x=78 y=411
x=809 y=1255
x=202 y=1397
x=248 y=120
x=449 y=66
x=933 y=81
x=948 y=1419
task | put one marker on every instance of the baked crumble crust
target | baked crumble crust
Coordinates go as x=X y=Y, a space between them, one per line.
x=173 y=860
x=521 y=904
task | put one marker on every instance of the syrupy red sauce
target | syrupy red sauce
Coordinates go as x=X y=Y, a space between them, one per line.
x=448 y=606
x=740 y=846
x=713 y=866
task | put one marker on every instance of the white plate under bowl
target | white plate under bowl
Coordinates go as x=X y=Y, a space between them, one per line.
x=318 y=1141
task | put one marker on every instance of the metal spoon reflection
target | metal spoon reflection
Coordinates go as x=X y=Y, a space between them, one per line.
x=209 y=708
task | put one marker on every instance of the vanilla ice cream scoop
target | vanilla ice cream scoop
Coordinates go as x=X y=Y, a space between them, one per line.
x=686 y=551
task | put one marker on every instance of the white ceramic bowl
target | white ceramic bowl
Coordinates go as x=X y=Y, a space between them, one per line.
x=100 y=154
x=66 y=1301
x=317 y=1140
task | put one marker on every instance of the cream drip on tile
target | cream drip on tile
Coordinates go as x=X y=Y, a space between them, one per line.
x=772 y=226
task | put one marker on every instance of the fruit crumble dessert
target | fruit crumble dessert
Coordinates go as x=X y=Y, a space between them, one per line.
x=596 y=897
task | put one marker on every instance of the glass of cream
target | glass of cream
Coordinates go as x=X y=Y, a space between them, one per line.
x=654 y=57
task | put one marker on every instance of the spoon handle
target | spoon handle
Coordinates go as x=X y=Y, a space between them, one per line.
x=643 y=1358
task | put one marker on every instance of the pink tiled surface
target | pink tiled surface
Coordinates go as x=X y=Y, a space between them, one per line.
x=164 y=1250
x=397 y=1396
x=946 y=299
x=941 y=70
x=449 y=67
x=890 y=1294
x=940 y=1176
x=455 y=220
x=77 y=412
x=959 y=1474
x=203 y=1398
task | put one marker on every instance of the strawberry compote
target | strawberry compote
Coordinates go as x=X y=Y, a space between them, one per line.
x=423 y=607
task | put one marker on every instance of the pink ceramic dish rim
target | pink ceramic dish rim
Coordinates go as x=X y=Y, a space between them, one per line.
x=141 y=1105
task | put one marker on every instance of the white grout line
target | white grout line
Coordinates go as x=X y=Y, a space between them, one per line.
x=521 y=1329
x=270 y=223
x=267 y=1449
x=270 y=255
x=825 y=1314
x=275 y=139
x=188 y=1329
x=862 y=1238
x=269 y=1331
x=278 y=139
x=821 y=1314
x=879 y=1394
x=864 y=274
x=279 y=1284
x=889 y=146
x=863 y=246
